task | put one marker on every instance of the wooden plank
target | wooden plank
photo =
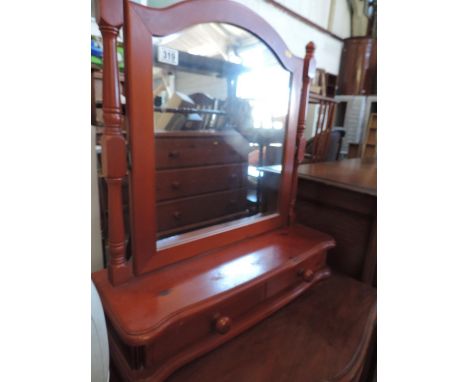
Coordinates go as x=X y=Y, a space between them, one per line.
x=353 y=174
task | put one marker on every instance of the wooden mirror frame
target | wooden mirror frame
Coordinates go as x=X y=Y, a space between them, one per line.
x=141 y=23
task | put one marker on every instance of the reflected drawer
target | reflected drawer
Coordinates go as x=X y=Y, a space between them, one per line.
x=172 y=184
x=172 y=152
x=192 y=210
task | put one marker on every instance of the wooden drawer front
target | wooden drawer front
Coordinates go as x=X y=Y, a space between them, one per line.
x=200 y=328
x=186 y=211
x=189 y=152
x=292 y=278
x=172 y=184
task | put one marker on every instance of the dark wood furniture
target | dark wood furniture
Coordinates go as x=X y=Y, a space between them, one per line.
x=324 y=84
x=173 y=300
x=353 y=150
x=358 y=68
x=319 y=144
x=340 y=198
x=332 y=82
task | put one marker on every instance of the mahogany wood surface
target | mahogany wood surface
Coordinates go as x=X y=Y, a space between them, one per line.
x=339 y=198
x=321 y=336
x=358 y=68
x=356 y=174
x=138 y=308
x=173 y=314
x=114 y=167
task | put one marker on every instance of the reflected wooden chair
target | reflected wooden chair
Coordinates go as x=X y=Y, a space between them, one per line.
x=205 y=102
x=333 y=148
x=319 y=145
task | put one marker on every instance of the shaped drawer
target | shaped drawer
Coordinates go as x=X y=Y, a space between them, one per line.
x=232 y=315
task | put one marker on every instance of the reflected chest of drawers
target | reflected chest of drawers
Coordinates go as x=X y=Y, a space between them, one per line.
x=201 y=179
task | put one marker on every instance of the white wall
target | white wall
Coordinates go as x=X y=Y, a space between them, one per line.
x=297 y=34
x=341 y=25
x=314 y=10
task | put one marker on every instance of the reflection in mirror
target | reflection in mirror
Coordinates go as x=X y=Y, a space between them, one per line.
x=220 y=110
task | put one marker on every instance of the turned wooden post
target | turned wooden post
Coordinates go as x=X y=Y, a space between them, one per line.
x=114 y=165
x=300 y=141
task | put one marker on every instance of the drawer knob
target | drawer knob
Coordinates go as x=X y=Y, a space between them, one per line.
x=175 y=185
x=234 y=176
x=222 y=324
x=177 y=215
x=306 y=274
x=174 y=154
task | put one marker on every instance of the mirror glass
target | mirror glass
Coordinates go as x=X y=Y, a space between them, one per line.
x=220 y=110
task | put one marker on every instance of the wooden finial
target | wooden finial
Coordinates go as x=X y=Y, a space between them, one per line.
x=310 y=48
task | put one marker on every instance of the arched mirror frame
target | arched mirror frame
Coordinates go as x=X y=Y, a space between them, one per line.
x=140 y=24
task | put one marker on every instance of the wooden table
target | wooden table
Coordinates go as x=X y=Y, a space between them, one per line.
x=359 y=175
x=340 y=198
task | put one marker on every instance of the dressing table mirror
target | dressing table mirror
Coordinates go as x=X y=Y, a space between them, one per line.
x=214 y=101
x=221 y=102
x=221 y=112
